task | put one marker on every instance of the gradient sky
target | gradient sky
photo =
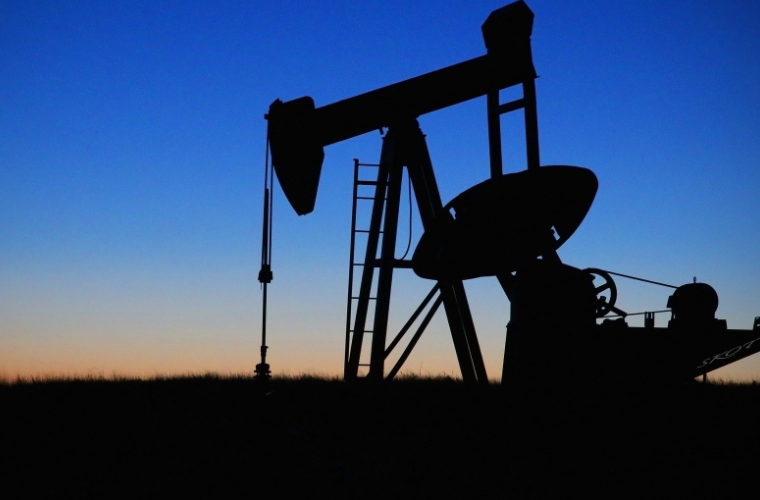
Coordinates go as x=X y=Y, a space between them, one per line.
x=132 y=145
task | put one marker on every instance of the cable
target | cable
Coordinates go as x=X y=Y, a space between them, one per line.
x=638 y=279
x=409 y=243
x=262 y=372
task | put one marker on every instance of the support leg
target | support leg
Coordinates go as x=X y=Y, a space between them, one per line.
x=385 y=277
x=454 y=296
x=531 y=123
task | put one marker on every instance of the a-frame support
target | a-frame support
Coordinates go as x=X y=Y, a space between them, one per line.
x=404 y=146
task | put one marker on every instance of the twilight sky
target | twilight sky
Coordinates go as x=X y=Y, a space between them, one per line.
x=132 y=140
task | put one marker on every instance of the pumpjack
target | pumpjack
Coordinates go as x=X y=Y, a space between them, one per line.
x=510 y=226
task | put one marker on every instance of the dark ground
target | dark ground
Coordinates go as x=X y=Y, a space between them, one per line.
x=209 y=437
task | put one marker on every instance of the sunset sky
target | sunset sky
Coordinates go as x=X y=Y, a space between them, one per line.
x=132 y=148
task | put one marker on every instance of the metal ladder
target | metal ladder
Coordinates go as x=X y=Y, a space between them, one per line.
x=351 y=298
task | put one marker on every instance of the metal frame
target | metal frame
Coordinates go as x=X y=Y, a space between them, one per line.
x=495 y=110
x=404 y=146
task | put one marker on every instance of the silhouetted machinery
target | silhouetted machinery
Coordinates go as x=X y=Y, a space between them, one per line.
x=509 y=226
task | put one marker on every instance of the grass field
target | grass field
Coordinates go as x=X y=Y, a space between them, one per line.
x=226 y=437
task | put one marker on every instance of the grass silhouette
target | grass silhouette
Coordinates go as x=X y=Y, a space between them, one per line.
x=205 y=436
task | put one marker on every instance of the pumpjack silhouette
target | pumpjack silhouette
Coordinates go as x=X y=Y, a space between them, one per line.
x=510 y=226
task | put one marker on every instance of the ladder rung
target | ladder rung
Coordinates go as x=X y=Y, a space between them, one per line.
x=370 y=298
x=365 y=231
x=366 y=183
x=364 y=364
x=365 y=331
x=369 y=198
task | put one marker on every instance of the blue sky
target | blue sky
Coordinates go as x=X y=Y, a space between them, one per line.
x=132 y=142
